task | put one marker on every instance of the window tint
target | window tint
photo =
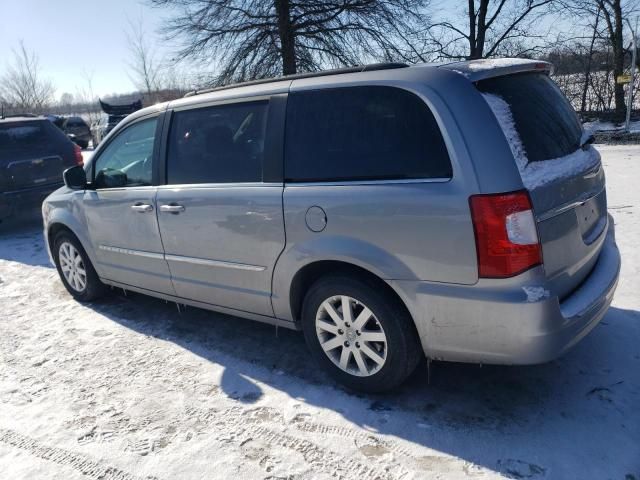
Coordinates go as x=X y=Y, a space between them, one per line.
x=362 y=133
x=221 y=144
x=127 y=160
x=23 y=135
x=547 y=124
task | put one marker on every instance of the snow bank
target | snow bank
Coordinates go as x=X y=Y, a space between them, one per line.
x=600 y=126
x=536 y=174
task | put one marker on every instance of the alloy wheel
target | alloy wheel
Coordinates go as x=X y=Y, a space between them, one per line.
x=351 y=336
x=72 y=266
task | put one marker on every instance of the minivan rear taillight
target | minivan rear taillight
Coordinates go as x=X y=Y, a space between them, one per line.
x=77 y=153
x=506 y=235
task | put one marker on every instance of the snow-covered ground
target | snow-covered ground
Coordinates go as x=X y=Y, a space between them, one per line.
x=600 y=126
x=129 y=388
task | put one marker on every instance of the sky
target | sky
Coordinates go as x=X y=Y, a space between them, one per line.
x=76 y=38
x=72 y=37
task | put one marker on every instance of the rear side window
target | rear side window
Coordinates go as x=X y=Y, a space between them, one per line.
x=546 y=123
x=362 y=133
x=221 y=144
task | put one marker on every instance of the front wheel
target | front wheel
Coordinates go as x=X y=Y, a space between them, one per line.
x=75 y=269
x=362 y=335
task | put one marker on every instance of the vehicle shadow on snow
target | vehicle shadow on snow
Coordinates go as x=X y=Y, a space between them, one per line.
x=21 y=239
x=451 y=412
x=476 y=414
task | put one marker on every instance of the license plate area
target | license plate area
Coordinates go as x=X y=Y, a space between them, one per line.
x=592 y=218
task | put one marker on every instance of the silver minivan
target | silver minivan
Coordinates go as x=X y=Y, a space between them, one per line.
x=454 y=211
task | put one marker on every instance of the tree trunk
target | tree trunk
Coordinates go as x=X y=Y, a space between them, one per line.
x=472 y=30
x=587 y=76
x=287 y=37
x=481 y=29
x=618 y=58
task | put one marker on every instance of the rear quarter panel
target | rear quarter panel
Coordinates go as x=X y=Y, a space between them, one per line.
x=416 y=231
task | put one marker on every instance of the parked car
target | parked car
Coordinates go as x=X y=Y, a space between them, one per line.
x=77 y=130
x=389 y=212
x=57 y=120
x=114 y=115
x=33 y=155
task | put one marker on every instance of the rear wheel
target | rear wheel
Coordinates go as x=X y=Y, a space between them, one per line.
x=75 y=269
x=360 y=334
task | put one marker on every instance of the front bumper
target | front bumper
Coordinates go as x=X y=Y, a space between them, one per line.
x=13 y=201
x=504 y=324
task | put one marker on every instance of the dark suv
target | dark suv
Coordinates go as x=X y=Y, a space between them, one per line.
x=78 y=130
x=33 y=155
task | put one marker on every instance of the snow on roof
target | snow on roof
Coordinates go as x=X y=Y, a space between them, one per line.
x=489 y=63
x=490 y=67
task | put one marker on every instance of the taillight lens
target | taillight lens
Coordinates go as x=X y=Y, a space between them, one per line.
x=506 y=234
x=77 y=152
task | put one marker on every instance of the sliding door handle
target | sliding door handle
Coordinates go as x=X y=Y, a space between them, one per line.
x=172 y=208
x=142 y=207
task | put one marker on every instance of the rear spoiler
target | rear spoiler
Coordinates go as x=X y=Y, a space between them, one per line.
x=476 y=70
x=120 y=110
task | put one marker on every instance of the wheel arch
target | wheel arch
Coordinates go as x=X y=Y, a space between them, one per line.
x=57 y=225
x=312 y=272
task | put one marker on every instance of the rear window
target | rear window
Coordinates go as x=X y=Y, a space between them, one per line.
x=362 y=133
x=23 y=134
x=546 y=123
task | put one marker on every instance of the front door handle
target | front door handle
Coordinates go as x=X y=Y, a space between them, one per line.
x=173 y=208
x=142 y=207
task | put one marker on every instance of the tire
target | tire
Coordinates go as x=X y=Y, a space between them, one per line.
x=400 y=351
x=83 y=287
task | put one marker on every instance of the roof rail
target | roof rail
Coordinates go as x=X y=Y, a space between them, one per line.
x=336 y=71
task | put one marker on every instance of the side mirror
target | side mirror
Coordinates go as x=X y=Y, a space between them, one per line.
x=75 y=178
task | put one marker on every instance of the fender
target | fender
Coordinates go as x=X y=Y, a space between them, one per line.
x=330 y=248
x=64 y=210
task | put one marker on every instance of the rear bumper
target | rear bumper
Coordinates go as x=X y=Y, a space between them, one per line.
x=13 y=201
x=494 y=323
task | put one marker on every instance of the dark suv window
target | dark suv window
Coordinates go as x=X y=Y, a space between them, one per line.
x=547 y=124
x=221 y=144
x=19 y=135
x=362 y=133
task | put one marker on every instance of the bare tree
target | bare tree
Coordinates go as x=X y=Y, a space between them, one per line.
x=143 y=62
x=261 y=38
x=490 y=28
x=23 y=85
x=87 y=100
x=612 y=14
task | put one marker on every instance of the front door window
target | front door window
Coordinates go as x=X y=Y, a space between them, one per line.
x=127 y=160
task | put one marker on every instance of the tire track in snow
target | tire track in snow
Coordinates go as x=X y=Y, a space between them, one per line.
x=82 y=464
x=345 y=432
x=240 y=425
x=316 y=456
